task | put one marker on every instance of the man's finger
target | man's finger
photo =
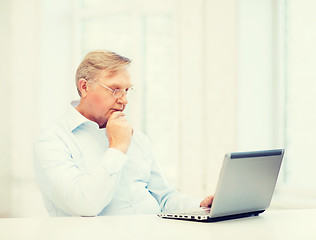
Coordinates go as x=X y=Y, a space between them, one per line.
x=116 y=114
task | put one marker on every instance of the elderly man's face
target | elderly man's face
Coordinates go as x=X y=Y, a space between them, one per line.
x=101 y=101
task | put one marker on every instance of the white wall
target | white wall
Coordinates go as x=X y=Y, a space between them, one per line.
x=301 y=92
x=21 y=104
x=57 y=78
x=25 y=67
x=5 y=108
x=257 y=80
x=221 y=85
x=207 y=86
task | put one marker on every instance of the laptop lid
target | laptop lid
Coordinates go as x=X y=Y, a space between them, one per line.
x=247 y=182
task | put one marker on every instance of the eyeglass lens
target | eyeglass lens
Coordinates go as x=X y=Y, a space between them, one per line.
x=119 y=92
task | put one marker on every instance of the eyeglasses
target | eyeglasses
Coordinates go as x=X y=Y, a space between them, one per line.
x=118 y=93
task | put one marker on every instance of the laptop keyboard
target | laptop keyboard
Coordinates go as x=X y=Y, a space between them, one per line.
x=200 y=212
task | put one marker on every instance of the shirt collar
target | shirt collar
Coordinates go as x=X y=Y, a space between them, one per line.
x=75 y=118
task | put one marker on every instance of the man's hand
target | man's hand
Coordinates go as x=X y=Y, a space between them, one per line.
x=207 y=202
x=119 y=131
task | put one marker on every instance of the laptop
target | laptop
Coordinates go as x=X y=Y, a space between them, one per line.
x=245 y=187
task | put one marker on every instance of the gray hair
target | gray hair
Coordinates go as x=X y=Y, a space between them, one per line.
x=96 y=61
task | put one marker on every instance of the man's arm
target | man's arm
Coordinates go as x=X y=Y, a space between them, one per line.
x=168 y=198
x=69 y=188
x=73 y=191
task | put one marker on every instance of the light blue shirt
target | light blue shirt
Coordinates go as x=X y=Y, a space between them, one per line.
x=79 y=175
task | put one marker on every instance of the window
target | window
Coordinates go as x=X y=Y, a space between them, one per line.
x=277 y=90
x=299 y=34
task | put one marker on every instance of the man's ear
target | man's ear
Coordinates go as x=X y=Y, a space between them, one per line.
x=83 y=85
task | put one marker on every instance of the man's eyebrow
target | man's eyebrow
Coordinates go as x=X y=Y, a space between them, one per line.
x=114 y=85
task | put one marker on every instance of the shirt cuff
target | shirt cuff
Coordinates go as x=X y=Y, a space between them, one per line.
x=193 y=204
x=114 y=160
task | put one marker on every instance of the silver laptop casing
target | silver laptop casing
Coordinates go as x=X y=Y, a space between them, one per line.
x=245 y=186
x=246 y=182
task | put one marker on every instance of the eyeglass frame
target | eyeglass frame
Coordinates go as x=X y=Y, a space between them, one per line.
x=126 y=93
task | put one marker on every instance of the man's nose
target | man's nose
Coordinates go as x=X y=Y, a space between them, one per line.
x=123 y=99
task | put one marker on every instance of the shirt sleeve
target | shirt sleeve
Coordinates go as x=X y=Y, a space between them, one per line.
x=168 y=198
x=61 y=180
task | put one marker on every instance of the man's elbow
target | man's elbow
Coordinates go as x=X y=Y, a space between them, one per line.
x=90 y=213
x=82 y=206
x=87 y=211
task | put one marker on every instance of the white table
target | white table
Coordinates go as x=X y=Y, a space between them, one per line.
x=274 y=224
